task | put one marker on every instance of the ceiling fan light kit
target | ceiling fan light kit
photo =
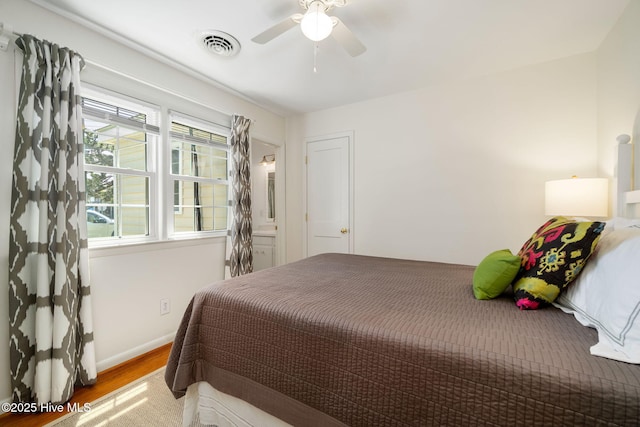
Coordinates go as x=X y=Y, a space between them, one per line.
x=315 y=24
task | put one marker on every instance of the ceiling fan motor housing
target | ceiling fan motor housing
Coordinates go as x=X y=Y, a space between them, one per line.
x=328 y=4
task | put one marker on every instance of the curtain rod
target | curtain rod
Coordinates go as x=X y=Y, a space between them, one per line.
x=6 y=34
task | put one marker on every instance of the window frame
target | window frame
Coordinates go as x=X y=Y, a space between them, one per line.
x=169 y=177
x=152 y=130
x=159 y=166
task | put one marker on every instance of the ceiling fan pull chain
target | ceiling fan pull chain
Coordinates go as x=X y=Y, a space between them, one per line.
x=315 y=57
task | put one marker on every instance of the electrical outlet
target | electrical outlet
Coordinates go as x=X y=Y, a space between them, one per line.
x=165 y=306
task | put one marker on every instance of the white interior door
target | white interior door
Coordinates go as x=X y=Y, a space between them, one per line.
x=328 y=196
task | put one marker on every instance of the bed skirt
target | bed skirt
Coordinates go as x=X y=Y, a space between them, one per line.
x=206 y=406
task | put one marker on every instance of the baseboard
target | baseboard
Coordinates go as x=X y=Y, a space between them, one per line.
x=134 y=352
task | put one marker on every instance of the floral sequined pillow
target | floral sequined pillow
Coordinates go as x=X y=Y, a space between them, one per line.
x=552 y=258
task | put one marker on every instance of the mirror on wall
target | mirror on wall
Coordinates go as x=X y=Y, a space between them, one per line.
x=271 y=195
x=263 y=186
x=269 y=163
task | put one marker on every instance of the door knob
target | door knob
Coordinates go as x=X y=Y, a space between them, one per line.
x=343 y=230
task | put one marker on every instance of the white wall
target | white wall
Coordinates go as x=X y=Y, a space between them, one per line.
x=619 y=88
x=452 y=172
x=127 y=283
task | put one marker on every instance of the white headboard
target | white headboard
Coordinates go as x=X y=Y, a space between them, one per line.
x=628 y=179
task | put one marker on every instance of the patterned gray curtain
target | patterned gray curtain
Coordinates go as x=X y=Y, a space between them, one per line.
x=51 y=332
x=239 y=245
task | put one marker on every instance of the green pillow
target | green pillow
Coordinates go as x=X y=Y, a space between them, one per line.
x=495 y=273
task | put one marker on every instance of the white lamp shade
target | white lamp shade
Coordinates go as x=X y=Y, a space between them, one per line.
x=577 y=197
x=315 y=24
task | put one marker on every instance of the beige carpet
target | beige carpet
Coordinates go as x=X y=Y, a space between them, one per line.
x=145 y=402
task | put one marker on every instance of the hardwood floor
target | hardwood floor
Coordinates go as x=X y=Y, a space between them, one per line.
x=108 y=381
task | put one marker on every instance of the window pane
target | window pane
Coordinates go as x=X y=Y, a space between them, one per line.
x=221 y=206
x=113 y=110
x=134 y=190
x=99 y=224
x=188 y=213
x=113 y=145
x=191 y=159
x=206 y=206
x=117 y=204
x=220 y=218
x=221 y=195
x=132 y=152
x=98 y=148
x=198 y=133
x=185 y=220
x=132 y=214
x=135 y=221
x=100 y=188
x=199 y=206
x=219 y=165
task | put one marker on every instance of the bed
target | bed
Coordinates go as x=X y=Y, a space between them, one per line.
x=337 y=339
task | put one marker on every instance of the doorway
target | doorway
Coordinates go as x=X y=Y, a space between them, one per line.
x=267 y=203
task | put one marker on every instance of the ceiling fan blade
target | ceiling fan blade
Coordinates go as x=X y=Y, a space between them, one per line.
x=276 y=30
x=347 y=39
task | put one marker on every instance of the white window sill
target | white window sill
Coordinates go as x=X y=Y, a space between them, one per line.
x=123 y=248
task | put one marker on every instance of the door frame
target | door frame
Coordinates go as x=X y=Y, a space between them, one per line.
x=281 y=221
x=350 y=135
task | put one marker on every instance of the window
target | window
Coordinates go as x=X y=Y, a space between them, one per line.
x=199 y=176
x=120 y=139
x=134 y=177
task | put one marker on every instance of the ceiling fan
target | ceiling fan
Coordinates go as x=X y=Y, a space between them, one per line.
x=316 y=25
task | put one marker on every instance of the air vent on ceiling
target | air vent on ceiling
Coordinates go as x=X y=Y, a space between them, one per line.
x=220 y=43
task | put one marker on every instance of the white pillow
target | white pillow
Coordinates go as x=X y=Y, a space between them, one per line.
x=617 y=223
x=606 y=295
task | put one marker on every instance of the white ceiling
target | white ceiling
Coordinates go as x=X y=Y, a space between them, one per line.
x=410 y=43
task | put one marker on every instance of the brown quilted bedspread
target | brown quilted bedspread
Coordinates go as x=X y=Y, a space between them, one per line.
x=364 y=341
